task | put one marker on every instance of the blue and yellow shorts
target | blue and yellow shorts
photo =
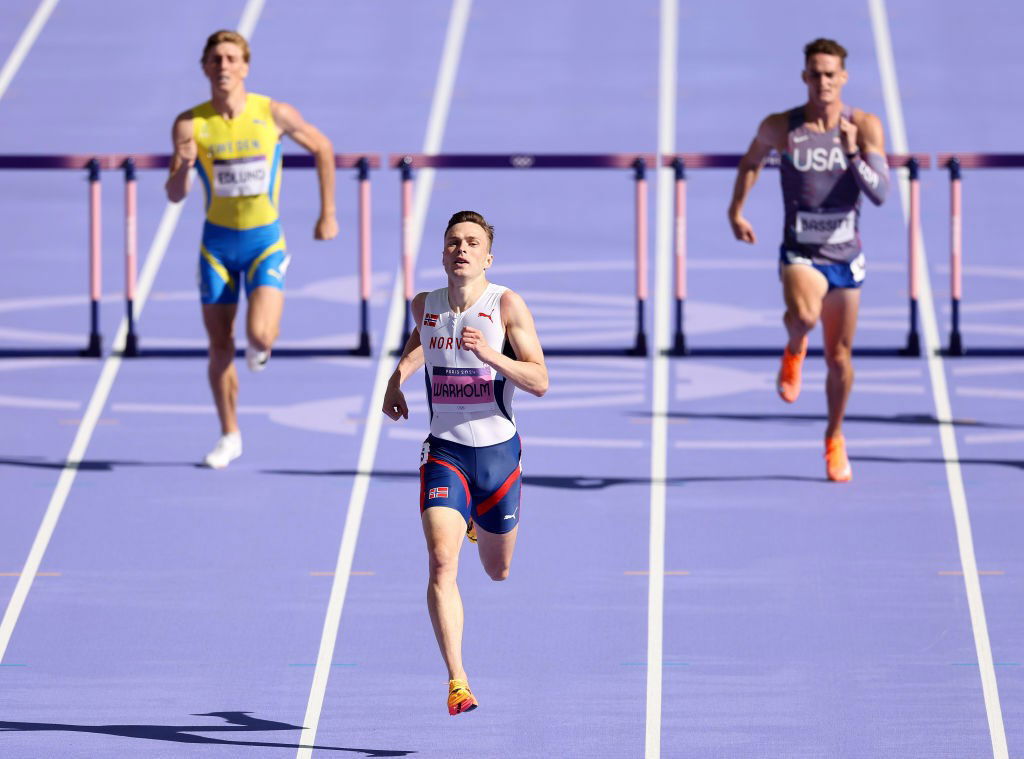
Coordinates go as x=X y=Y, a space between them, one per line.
x=483 y=483
x=228 y=257
x=849 y=275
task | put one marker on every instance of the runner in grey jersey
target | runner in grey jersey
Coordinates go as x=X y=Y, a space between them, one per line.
x=831 y=154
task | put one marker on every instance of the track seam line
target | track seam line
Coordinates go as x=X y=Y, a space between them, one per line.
x=100 y=393
x=24 y=43
x=440 y=106
x=667 y=48
x=940 y=394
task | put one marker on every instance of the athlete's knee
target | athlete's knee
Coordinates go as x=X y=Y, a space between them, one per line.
x=444 y=565
x=839 y=357
x=222 y=348
x=803 y=315
x=262 y=334
x=497 y=570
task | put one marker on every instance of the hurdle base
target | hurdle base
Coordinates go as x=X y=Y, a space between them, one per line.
x=363 y=349
x=131 y=345
x=679 y=346
x=640 y=348
x=95 y=347
x=956 y=345
x=913 y=347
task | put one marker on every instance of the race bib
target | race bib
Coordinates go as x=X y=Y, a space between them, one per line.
x=818 y=228
x=235 y=177
x=455 y=389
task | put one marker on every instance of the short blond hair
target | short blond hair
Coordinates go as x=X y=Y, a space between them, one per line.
x=225 y=35
x=824 y=46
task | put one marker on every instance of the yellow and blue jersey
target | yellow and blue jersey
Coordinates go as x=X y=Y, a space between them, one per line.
x=239 y=164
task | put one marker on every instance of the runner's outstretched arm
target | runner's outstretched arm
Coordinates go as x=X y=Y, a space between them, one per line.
x=411 y=362
x=290 y=121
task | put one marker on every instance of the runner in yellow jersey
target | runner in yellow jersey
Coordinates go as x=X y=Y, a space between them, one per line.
x=233 y=141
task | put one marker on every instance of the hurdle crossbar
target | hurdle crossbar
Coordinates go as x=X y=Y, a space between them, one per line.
x=639 y=163
x=955 y=163
x=130 y=164
x=681 y=162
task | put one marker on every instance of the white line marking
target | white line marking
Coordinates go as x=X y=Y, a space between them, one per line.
x=84 y=434
x=439 y=109
x=940 y=393
x=25 y=42
x=990 y=370
x=667 y=62
x=995 y=437
x=20 y=401
x=991 y=392
x=250 y=15
x=774 y=445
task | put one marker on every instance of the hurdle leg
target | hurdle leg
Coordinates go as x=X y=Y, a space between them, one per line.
x=94 y=347
x=131 y=236
x=913 y=347
x=365 y=267
x=640 y=175
x=407 y=272
x=679 y=343
x=956 y=346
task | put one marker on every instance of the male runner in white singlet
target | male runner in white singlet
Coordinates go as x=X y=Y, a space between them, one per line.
x=831 y=155
x=477 y=343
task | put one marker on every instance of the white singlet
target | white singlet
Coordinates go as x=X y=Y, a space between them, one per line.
x=470 y=403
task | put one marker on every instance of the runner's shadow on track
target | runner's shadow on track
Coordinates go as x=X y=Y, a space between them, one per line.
x=1012 y=463
x=44 y=353
x=237 y=722
x=90 y=465
x=564 y=482
x=925 y=420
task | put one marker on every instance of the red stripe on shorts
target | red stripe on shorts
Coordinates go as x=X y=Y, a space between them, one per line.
x=498 y=494
x=465 y=485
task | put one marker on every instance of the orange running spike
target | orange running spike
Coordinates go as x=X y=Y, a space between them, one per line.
x=788 y=381
x=837 y=465
x=460 y=698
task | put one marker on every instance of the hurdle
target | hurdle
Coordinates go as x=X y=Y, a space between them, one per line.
x=954 y=163
x=638 y=163
x=92 y=165
x=680 y=163
x=130 y=165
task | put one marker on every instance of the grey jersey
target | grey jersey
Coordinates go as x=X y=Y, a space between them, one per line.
x=820 y=194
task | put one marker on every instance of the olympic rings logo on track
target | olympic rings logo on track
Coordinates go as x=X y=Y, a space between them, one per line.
x=522 y=161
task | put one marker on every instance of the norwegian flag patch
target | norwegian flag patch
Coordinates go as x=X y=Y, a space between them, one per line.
x=437 y=493
x=430 y=320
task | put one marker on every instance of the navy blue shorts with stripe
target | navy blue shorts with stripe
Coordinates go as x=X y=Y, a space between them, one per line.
x=484 y=483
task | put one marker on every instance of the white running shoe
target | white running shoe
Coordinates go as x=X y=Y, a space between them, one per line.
x=257 y=360
x=228 y=448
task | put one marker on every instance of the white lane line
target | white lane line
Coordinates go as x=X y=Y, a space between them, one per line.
x=22 y=401
x=991 y=392
x=940 y=393
x=85 y=430
x=24 y=44
x=994 y=437
x=454 y=36
x=250 y=16
x=667 y=62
